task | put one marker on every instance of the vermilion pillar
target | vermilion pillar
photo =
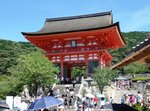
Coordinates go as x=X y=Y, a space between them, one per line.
x=101 y=62
x=99 y=59
x=86 y=64
x=62 y=66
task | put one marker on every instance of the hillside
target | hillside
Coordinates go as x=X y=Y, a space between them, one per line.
x=132 y=39
x=10 y=51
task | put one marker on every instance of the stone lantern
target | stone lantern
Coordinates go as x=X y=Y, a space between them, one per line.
x=89 y=80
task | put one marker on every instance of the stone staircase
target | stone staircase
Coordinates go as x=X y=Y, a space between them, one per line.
x=109 y=91
x=62 y=87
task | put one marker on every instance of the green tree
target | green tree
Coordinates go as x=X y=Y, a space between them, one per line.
x=10 y=51
x=132 y=39
x=103 y=77
x=77 y=71
x=6 y=83
x=33 y=70
x=135 y=68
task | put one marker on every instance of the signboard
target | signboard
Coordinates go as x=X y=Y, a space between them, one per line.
x=17 y=101
x=9 y=101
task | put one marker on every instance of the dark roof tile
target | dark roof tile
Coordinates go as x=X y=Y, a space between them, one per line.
x=75 y=23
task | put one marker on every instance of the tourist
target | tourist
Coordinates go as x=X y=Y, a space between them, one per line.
x=67 y=91
x=111 y=100
x=55 y=108
x=65 y=101
x=85 y=103
x=91 y=103
x=74 y=83
x=123 y=99
x=95 y=101
x=79 y=101
x=60 y=108
x=102 y=102
x=51 y=91
x=79 y=108
x=70 y=101
x=132 y=100
x=62 y=80
x=32 y=99
x=57 y=93
x=139 y=98
x=67 y=80
x=72 y=93
x=45 y=109
x=61 y=99
x=130 y=84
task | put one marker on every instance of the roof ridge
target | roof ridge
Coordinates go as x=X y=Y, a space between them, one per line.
x=78 y=16
x=139 y=46
x=114 y=24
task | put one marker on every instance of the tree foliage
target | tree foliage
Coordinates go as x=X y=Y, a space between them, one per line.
x=78 y=71
x=33 y=70
x=6 y=85
x=135 y=68
x=10 y=51
x=103 y=77
x=131 y=39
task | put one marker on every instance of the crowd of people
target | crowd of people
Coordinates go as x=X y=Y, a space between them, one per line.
x=123 y=84
x=67 y=97
x=87 y=104
x=131 y=99
x=70 y=100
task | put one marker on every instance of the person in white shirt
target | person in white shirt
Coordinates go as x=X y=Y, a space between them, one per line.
x=139 y=98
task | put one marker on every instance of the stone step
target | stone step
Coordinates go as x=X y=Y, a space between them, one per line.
x=62 y=88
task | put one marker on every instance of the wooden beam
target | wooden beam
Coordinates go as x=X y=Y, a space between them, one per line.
x=133 y=57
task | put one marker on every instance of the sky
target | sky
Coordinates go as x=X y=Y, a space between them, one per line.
x=18 y=16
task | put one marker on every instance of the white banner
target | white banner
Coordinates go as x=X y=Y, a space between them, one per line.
x=9 y=101
x=17 y=101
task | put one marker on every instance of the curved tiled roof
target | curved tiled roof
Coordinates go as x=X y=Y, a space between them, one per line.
x=139 y=46
x=74 y=23
x=136 y=53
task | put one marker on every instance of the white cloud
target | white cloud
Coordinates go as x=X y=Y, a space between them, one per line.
x=138 y=20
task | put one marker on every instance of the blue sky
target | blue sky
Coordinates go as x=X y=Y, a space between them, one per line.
x=18 y=16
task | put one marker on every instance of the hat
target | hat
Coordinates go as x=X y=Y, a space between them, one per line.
x=80 y=105
x=61 y=107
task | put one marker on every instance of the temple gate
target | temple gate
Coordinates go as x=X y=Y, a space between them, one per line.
x=78 y=41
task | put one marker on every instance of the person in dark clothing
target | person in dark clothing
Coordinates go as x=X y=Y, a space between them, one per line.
x=74 y=83
x=70 y=101
x=65 y=102
x=50 y=92
x=45 y=109
x=130 y=84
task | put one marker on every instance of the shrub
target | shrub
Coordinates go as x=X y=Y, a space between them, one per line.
x=139 y=79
